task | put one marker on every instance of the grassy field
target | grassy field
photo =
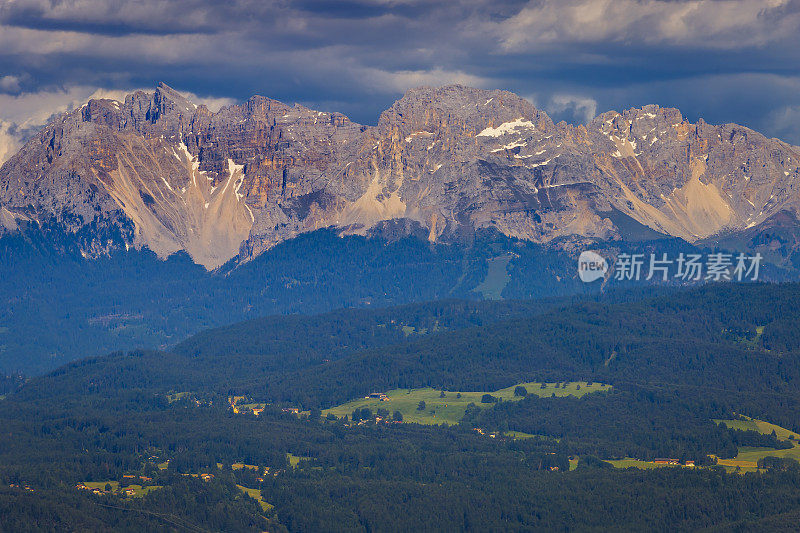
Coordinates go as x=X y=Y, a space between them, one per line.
x=294 y=460
x=102 y=484
x=497 y=278
x=248 y=407
x=239 y=466
x=256 y=494
x=522 y=435
x=411 y=330
x=747 y=458
x=752 y=424
x=755 y=341
x=450 y=409
x=176 y=396
x=635 y=463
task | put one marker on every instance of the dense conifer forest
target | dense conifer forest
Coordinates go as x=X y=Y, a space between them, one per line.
x=675 y=363
x=62 y=307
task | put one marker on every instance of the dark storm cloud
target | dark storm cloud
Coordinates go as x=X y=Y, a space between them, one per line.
x=725 y=60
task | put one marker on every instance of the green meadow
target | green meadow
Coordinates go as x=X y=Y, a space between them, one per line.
x=449 y=408
x=635 y=463
x=256 y=494
x=747 y=458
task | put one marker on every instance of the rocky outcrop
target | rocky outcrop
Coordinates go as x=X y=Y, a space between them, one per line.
x=446 y=161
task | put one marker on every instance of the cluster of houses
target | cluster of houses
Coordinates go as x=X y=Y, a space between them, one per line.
x=376 y=420
x=377 y=396
x=672 y=462
x=133 y=477
x=126 y=478
x=95 y=490
x=204 y=477
x=233 y=402
x=482 y=431
x=267 y=472
x=26 y=487
x=255 y=410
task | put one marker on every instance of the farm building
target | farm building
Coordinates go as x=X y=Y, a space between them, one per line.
x=663 y=461
x=378 y=396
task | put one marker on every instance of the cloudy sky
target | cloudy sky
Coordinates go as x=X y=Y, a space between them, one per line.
x=723 y=60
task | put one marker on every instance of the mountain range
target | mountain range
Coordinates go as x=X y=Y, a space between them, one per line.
x=441 y=163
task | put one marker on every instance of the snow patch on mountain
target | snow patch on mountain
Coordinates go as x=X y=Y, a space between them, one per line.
x=507 y=127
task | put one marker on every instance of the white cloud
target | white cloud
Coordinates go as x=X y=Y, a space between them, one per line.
x=31 y=109
x=10 y=84
x=400 y=81
x=701 y=23
x=9 y=142
x=159 y=49
x=140 y=15
x=582 y=109
x=213 y=103
x=786 y=122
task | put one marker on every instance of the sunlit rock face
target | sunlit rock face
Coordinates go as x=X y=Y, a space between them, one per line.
x=447 y=161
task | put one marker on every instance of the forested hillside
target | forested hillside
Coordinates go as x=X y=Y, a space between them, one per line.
x=674 y=365
x=723 y=337
x=61 y=306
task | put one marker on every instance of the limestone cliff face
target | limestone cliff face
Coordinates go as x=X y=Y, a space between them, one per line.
x=694 y=180
x=450 y=160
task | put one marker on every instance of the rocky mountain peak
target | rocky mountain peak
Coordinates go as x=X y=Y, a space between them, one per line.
x=446 y=161
x=466 y=110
